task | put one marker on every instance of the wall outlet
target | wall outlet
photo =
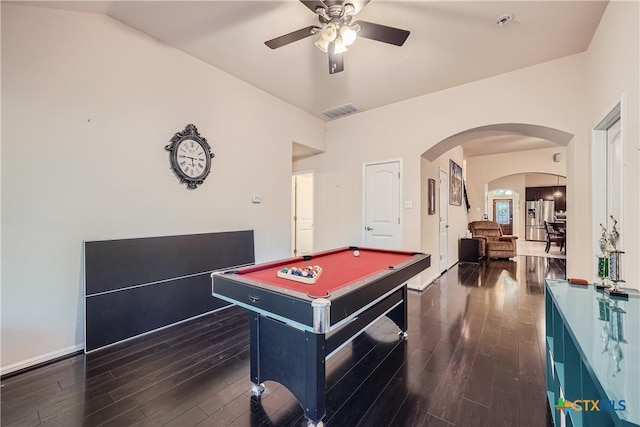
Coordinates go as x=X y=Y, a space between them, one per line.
x=408 y=204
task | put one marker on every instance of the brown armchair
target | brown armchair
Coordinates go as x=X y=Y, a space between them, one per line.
x=493 y=244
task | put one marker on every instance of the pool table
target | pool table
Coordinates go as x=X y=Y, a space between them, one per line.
x=296 y=327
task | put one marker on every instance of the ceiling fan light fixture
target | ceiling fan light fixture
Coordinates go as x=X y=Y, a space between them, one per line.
x=329 y=32
x=322 y=44
x=348 y=35
x=349 y=9
x=336 y=30
x=339 y=46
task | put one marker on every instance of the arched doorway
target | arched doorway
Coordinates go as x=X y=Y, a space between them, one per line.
x=498 y=151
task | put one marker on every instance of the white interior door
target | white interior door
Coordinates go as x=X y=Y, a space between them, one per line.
x=444 y=220
x=303 y=214
x=607 y=165
x=382 y=228
x=615 y=162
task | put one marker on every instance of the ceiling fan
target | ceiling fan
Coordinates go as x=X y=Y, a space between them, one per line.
x=337 y=31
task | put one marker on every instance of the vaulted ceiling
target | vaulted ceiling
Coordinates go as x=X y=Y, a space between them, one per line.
x=450 y=43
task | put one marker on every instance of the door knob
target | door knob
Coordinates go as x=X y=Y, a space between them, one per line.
x=368 y=228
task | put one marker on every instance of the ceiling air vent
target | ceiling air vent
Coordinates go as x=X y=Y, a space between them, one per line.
x=341 y=111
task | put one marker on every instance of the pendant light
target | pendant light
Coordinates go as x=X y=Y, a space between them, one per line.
x=557 y=193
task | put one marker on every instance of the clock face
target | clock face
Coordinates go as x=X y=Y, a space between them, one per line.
x=192 y=158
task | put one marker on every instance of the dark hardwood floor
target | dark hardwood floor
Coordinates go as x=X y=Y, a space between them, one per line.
x=474 y=357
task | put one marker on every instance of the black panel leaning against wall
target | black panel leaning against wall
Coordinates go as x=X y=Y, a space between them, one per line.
x=134 y=286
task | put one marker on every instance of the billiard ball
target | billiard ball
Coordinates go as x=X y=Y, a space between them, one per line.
x=356 y=253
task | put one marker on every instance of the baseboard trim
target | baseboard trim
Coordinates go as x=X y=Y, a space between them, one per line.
x=422 y=286
x=38 y=361
x=54 y=356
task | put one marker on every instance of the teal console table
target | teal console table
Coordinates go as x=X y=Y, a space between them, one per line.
x=593 y=356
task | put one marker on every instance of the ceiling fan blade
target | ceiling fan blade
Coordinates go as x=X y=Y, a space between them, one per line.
x=313 y=4
x=382 y=33
x=292 y=37
x=336 y=61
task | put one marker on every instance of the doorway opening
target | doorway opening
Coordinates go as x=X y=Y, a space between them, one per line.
x=607 y=169
x=503 y=214
x=443 y=230
x=302 y=213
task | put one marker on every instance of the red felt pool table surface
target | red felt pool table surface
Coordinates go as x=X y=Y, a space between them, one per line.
x=340 y=268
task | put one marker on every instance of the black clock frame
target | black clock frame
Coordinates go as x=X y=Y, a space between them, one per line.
x=189 y=132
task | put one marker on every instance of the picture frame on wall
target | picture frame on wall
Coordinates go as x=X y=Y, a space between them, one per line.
x=455 y=184
x=431 y=196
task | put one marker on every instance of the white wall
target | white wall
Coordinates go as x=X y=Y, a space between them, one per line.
x=549 y=95
x=88 y=105
x=613 y=71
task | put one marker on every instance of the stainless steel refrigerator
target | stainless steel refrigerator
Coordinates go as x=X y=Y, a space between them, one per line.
x=537 y=213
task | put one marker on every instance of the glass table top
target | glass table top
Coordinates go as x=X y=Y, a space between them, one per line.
x=608 y=333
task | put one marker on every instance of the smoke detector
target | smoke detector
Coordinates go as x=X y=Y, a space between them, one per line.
x=503 y=20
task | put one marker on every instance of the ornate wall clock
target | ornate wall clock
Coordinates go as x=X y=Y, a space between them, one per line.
x=190 y=156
